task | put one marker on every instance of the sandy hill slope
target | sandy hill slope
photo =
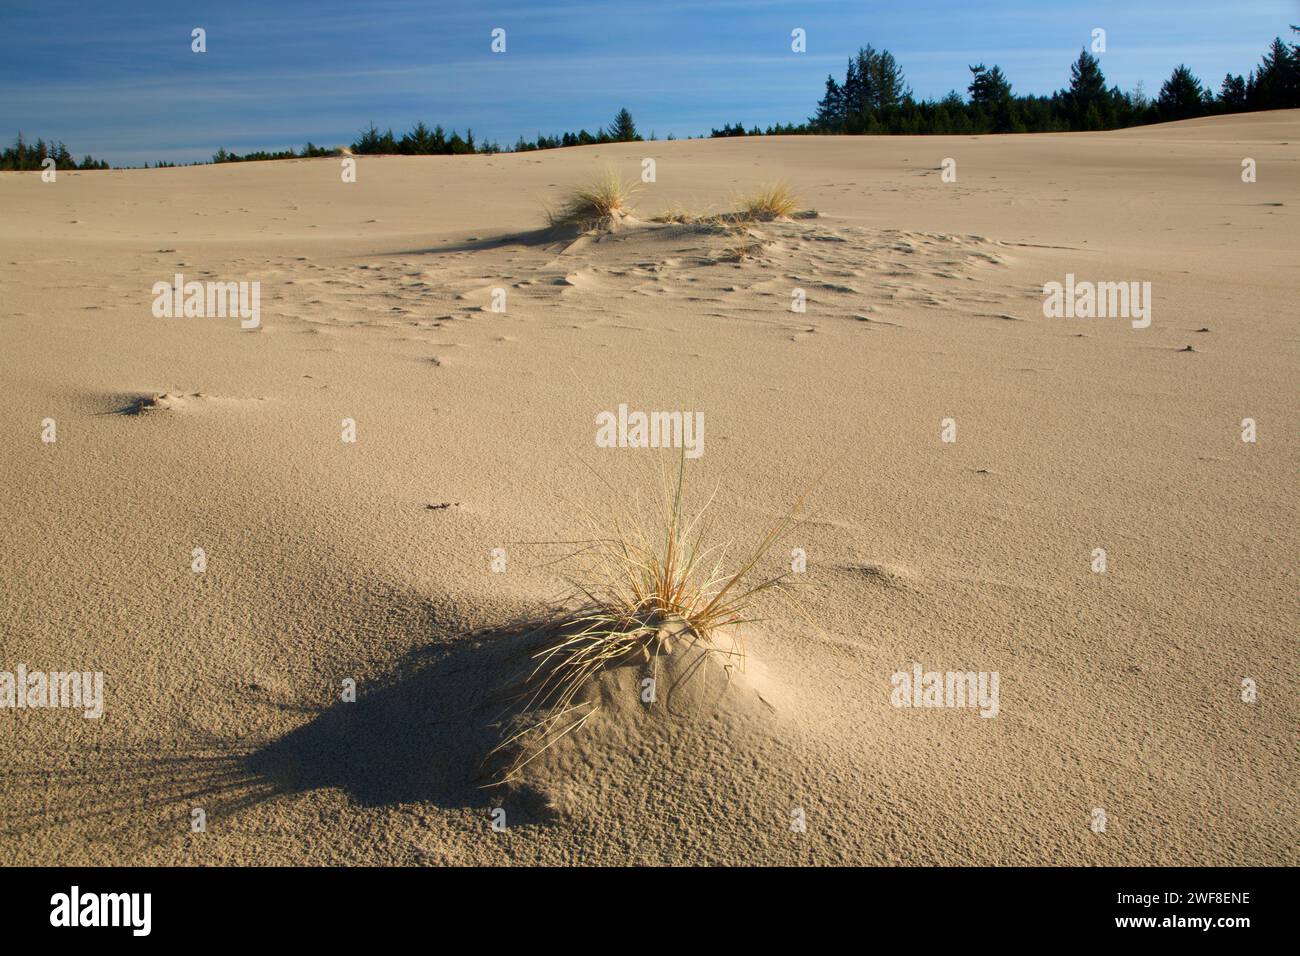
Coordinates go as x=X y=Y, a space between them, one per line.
x=373 y=561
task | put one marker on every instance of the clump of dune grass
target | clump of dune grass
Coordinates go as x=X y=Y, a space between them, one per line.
x=776 y=201
x=768 y=203
x=677 y=215
x=737 y=226
x=745 y=243
x=645 y=589
x=598 y=205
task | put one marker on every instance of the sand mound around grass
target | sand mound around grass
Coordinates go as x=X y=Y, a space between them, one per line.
x=658 y=699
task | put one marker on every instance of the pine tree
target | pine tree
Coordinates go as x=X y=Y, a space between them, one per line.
x=1086 y=94
x=1277 y=80
x=1181 y=96
x=418 y=142
x=623 y=130
x=863 y=107
x=851 y=97
x=368 y=142
x=1232 y=93
x=888 y=87
x=988 y=89
x=830 y=111
x=990 y=93
x=457 y=146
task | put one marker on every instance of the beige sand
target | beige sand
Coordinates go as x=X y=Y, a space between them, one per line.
x=1118 y=691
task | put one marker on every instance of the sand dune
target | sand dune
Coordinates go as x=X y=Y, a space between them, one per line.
x=373 y=560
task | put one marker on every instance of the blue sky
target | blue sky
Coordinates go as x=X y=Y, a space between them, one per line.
x=117 y=79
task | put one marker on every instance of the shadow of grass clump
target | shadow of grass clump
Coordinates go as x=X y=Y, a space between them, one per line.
x=418 y=735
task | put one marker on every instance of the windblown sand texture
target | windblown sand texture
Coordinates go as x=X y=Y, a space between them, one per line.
x=372 y=560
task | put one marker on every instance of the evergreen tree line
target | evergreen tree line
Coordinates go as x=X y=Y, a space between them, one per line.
x=621 y=130
x=309 y=151
x=420 y=140
x=874 y=98
x=22 y=156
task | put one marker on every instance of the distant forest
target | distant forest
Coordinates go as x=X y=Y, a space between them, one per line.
x=24 y=156
x=873 y=98
x=422 y=141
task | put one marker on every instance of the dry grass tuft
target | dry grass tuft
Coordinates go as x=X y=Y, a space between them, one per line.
x=643 y=590
x=768 y=204
x=598 y=205
x=677 y=215
x=776 y=201
x=745 y=243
